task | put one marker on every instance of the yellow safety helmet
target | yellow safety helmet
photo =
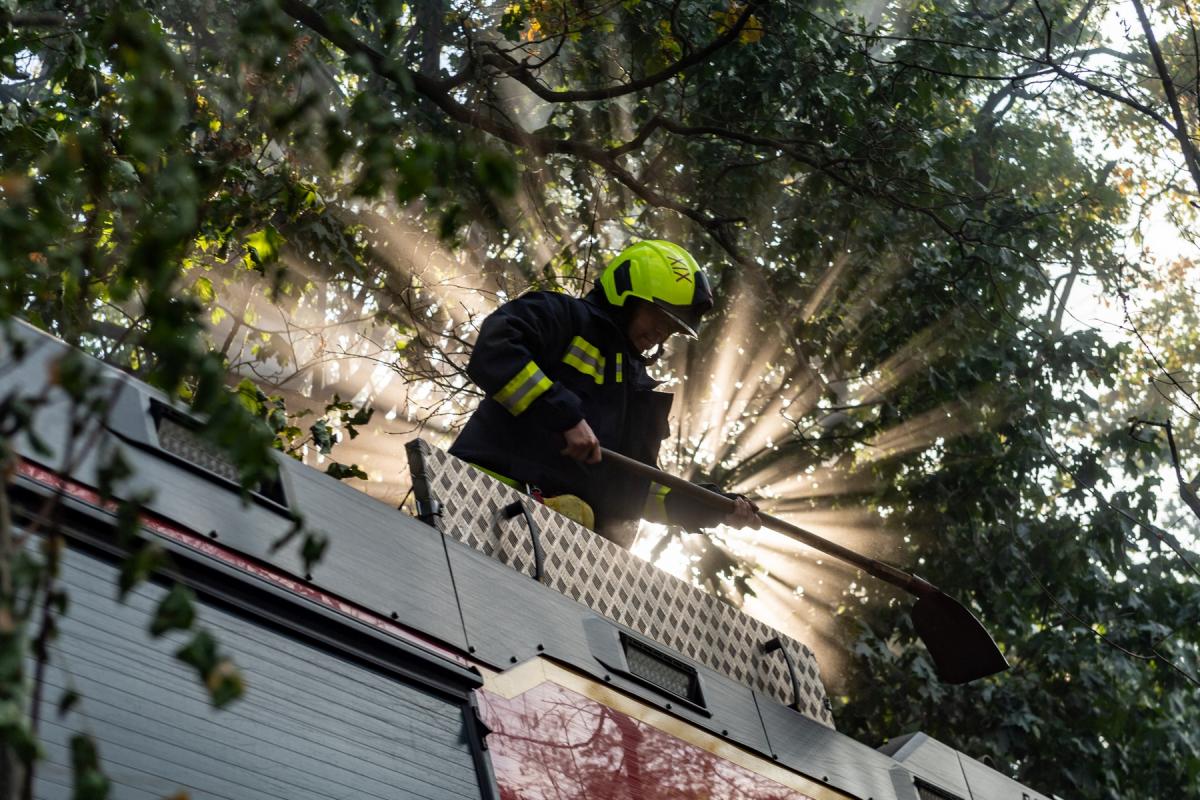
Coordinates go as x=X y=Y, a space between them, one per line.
x=662 y=273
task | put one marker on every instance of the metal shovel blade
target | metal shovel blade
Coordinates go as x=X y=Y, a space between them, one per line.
x=962 y=650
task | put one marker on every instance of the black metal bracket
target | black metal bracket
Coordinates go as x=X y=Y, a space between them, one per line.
x=428 y=512
x=777 y=644
x=477 y=733
x=517 y=508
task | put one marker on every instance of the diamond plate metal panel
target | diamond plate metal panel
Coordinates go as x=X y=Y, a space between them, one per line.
x=610 y=580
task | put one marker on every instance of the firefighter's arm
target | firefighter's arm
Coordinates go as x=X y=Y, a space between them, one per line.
x=668 y=507
x=513 y=343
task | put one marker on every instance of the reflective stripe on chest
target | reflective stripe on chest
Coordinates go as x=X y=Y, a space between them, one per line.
x=585 y=357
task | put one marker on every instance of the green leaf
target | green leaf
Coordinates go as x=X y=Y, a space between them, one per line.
x=204 y=290
x=313 y=549
x=220 y=676
x=89 y=782
x=341 y=471
x=138 y=566
x=497 y=173
x=8 y=68
x=225 y=683
x=323 y=436
x=67 y=701
x=263 y=247
x=200 y=653
x=15 y=732
x=124 y=172
x=176 y=611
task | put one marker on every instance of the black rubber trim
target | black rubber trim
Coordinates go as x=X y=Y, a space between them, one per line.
x=622 y=281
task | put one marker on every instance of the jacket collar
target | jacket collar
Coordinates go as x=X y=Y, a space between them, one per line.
x=601 y=308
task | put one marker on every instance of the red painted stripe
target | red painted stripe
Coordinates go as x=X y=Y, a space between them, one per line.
x=202 y=544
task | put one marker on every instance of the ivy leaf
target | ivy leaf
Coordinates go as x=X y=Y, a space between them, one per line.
x=313 y=548
x=138 y=566
x=200 y=653
x=342 y=471
x=323 y=436
x=67 y=701
x=220 y=676
x=175 y=612
x=225 y=683
x=90 y=783
x=15 y=731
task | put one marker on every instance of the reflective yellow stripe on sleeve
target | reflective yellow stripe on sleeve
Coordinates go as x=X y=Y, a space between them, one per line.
x=656 y=503
x=502 y=478
x=620 y=369
x=526 y=386
x=584 y=357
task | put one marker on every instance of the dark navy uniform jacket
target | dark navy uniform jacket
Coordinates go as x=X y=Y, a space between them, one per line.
x=546 y=361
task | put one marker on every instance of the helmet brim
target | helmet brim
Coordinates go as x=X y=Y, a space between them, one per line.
x=682 y=326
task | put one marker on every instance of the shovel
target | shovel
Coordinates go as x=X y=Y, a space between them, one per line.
x=962 y=650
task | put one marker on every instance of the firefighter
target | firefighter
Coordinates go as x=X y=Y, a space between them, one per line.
x=563 y=376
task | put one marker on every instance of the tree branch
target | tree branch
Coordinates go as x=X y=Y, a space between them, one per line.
x=514 y=69
x=437 y=92
x=36 y=19
x=1186 y=145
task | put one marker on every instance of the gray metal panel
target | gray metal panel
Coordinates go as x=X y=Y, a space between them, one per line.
x=948 y=769
x=313 y=725
x=832 y=758
x=508 y=615
x=988 y=784
x=932 y=761
x=379 y=558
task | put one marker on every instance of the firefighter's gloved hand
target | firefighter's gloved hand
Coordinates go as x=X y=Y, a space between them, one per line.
x=745 y=513
x=582 y=444
x=693 y=515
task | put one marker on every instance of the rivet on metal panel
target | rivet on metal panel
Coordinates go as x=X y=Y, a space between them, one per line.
x=471 y=648
x=724 y=732
x=512 y=659
x=607 y=678
x=212 y=534
x=308 y=576
x=540 y=647
x=395 y=615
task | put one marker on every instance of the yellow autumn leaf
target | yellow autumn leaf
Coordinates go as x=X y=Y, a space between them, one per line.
x=751 y=32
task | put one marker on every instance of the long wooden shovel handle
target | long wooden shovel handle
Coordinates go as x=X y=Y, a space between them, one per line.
x=885 y=572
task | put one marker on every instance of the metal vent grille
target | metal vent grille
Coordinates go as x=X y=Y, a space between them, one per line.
x=661 y=670
x=179 y=441
x=927 y=792
x=178 y=437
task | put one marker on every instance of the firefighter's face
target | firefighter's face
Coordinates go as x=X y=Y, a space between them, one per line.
x=649 y=327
